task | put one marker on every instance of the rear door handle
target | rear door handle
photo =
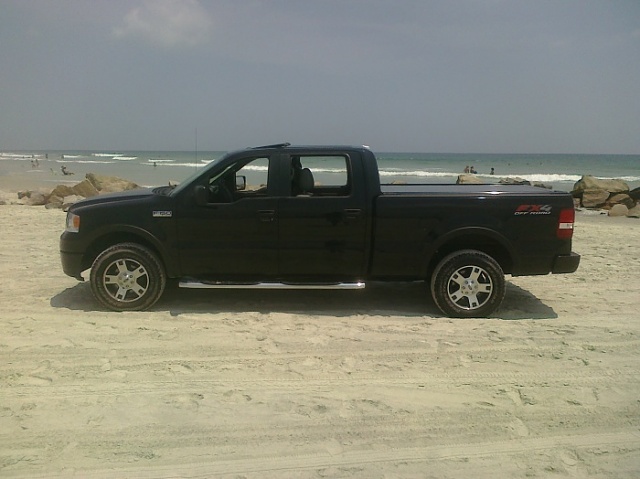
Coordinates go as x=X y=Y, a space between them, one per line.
x=267 y=216
x=352 y=213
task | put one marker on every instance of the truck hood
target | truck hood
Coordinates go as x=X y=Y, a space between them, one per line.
x=115 y=197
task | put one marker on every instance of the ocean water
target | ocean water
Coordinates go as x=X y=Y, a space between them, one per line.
x=560 y=171
x=152 y=168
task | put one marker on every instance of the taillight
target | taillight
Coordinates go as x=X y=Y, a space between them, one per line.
x=565 y=223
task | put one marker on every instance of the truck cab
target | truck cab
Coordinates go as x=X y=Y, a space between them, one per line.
x=262 y=213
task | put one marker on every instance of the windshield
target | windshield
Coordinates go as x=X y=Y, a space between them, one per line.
x=189 y=179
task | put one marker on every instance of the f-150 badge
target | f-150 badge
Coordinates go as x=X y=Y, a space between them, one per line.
x=162 y=214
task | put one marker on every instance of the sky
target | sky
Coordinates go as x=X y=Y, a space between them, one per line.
x=455 y=76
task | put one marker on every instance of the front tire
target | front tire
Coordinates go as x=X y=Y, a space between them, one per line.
x=468 y=284
x=127 y=277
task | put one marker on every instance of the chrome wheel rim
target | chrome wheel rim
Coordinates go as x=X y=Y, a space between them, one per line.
x=126 y=280
x=470 y=287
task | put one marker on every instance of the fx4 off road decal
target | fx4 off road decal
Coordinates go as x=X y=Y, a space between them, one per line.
x=533 y=210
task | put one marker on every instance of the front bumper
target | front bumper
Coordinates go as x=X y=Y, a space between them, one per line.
x=72 y=264
x=566 y=263
x=71 y=255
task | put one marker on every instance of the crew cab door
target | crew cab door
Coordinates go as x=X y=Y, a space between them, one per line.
x=323 y=223
x=227 y=227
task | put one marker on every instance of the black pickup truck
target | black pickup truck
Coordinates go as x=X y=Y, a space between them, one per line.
x=316 y=217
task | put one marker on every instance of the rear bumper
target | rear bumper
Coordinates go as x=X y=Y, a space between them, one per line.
x=566 y=263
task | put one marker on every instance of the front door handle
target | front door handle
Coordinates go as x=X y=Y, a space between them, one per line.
x=267 y=216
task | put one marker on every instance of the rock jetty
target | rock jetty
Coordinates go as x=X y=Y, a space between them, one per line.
x=612 y=195
x=62 y=196
x=470 y=179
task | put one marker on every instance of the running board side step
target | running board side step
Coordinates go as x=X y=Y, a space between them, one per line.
x=195 y=284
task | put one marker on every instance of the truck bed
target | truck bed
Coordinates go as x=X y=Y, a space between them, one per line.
x=464 y=190
x=414 y=221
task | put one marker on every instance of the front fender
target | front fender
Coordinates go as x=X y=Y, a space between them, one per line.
x=103 y=237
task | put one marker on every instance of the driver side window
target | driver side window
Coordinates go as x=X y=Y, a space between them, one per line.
x=251 y=179
x=244 y=179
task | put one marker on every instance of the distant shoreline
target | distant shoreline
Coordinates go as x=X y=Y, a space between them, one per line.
x=21 y=169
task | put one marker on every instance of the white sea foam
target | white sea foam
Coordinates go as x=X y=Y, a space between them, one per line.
x=125 y=158
x=338 y=171
x=184 y=165
x=110 y=155
x=418 y=173
x=255 y=168
x=14 y=156
x=88 y=162
x=548 y=178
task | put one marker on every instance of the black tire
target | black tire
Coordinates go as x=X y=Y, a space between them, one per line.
x=127 y=277
x=468 y=284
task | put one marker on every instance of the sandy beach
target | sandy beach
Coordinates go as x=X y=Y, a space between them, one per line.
x=273 y=384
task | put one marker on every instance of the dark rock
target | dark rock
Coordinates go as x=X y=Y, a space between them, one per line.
x=514 y=181
x=110 y=184
x=618 y=210
x=53 y=205
x=468 y=180
x=61 y=191
x=634 y=212
x=594 y=198
x=36 y=199
x=621 y=199
x=85 y=189
x=589 y=182
x=67 y=201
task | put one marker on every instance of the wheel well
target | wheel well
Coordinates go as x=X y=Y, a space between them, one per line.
x=477 y=242
x=104 y=242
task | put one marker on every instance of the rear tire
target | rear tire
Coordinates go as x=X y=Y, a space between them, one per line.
x=468 y=284
x=127 y=277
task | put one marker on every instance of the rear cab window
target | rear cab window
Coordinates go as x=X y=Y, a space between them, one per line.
x=320 y=175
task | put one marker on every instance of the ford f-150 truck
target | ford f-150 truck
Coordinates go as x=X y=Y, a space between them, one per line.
x=281 y=216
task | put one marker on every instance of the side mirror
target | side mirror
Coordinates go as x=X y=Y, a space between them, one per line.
x=201 y=195
x=241 y=183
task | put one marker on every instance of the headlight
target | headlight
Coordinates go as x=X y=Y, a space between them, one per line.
x=73 y=223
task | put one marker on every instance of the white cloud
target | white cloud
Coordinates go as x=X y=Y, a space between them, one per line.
x=168 y=23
